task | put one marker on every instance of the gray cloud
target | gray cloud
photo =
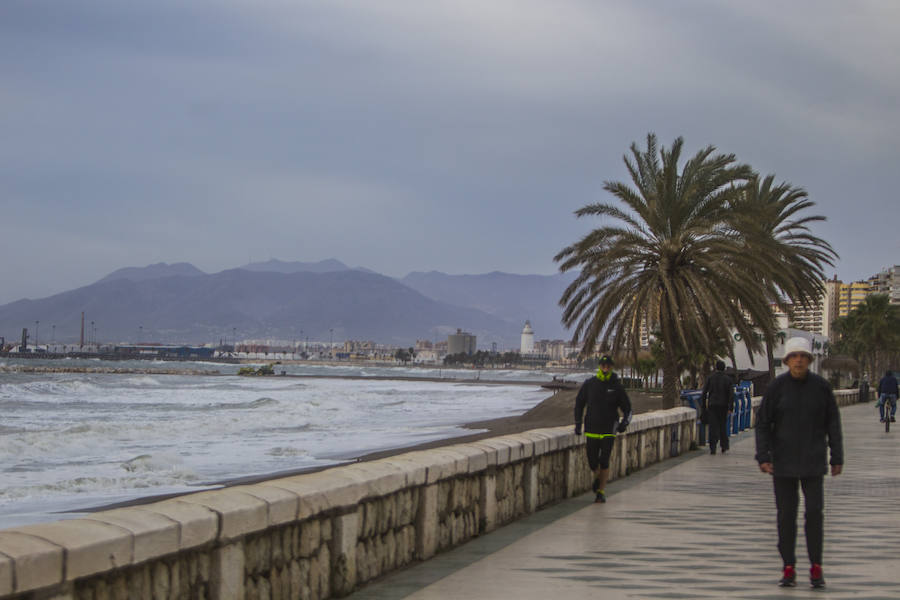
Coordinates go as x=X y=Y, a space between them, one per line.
x=403 y=136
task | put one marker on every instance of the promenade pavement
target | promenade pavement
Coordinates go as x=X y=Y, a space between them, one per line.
x=698 y=526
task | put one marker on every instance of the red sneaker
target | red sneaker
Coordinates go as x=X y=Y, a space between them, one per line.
x=789 y=578
x=816 y=577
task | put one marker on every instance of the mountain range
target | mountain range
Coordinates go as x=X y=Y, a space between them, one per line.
x=179 y=303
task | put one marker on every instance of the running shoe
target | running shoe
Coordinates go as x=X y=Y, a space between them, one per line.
x=816 y=577
x=601 y=498
x=789 y=577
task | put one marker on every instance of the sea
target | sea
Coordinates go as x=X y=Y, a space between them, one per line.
x=71 y=442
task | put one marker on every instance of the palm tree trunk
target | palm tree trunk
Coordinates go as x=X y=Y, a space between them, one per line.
x=770 y=355
x=670 y=383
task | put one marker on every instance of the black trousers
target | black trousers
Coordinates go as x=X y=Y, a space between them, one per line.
x=787 y=500
x=718 y=426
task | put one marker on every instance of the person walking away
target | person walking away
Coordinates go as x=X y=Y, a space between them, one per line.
x=718 y=404
x=887 y=392
x=600 y=400
x=797 y=419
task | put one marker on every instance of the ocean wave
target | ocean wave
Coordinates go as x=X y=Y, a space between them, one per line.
x=287 y=451
x=258 y=403
x=160 y=462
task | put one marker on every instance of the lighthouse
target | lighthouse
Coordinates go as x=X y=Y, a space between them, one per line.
x=527 y=339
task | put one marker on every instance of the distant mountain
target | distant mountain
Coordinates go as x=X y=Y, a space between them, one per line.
x=279 y=266
x=156 y=271
x=253 y=304
x=511 y=297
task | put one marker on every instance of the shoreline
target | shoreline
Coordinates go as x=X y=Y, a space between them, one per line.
x=554 y=411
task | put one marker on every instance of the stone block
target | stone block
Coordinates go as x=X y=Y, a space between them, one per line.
x=282 y=504
x=90 y=546
x=427 y=526
x=343 y=553
x=227 y=572
x=490 y=451
x=311 y=499
x=511 y=448
x=239 y=513
x=541 y=442
x=310 y=537
x=443 y=464
x=6 y=575
x=154 y=534
x=476 y=458
x=381 y=478
x=197 y=525
x=414 y=468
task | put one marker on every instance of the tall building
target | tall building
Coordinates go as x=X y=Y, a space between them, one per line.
x=887 y=282
x=527 y=345
x=819 y=317
x=851 y=295
x=461 y=342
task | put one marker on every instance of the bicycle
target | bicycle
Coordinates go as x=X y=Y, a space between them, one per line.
x=886 y=404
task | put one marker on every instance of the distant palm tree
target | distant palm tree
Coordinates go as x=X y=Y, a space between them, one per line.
x=789 y=259
x=672 y=261
x=871 y=334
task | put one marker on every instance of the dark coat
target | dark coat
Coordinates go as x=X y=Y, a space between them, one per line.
x=888 y=385
x=797 y=420
x=604 y=400
x=718 y=391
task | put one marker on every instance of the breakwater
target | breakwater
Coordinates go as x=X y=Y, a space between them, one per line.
x=104 y=369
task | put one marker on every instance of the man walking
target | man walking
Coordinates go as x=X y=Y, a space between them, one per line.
x=604 y=397
x=887 y=394
x=797 y=419
x=718 y=404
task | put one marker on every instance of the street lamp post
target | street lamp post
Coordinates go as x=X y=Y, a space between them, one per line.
x=37 y=329
x=331 y=344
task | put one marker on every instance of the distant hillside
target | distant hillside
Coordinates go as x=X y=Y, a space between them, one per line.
x=511 y=297
x=154 y=272
x=279 y=266
x=200 y=308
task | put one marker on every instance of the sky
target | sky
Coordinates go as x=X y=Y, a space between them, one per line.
x=401 y=135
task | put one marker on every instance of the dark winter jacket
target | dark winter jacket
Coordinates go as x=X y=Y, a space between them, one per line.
x=718 y=391
x=888 y=385
x=796 y=421
x=604 y=400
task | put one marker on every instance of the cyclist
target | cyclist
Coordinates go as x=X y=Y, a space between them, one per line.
x=887 y=392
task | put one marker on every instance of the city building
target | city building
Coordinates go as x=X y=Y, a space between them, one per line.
x=461 y=342
x=527 y=345
x=851 y=295
x=819 y=317
x=887 y=282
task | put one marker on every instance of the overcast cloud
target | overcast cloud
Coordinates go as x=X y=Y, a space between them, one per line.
x=405 y=135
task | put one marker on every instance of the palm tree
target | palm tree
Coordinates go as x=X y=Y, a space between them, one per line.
x=672 y=261
x=871 y=334
x=790 y=259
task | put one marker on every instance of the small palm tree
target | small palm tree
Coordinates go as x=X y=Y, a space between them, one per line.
x=671 y=261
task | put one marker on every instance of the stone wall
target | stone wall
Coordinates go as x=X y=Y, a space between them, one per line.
x=322 y=534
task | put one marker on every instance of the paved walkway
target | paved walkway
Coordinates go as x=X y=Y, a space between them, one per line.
x=699 y=526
